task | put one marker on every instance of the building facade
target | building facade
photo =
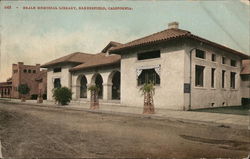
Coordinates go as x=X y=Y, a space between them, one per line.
x=35 y=78
x=188 y=72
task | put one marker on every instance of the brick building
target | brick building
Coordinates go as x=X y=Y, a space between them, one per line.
x=25 y=74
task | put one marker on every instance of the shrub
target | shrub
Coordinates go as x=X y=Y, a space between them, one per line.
x=23 y=89
x=34 y=96
x=62 y=95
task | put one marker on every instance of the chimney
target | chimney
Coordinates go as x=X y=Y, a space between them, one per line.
x=173 y=25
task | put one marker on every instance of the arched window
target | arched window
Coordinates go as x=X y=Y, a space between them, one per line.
x=148 y=76
x=116 y=82
x=99 y=82
x=83 y=87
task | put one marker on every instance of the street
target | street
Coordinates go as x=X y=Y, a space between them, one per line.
x=46 y=132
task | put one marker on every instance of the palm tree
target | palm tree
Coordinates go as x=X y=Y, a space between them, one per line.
x=94 y=102
x=148 y=91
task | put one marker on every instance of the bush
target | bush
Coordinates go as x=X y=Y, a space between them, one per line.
x=245 y=101
x=34 y=96
x=62 y=95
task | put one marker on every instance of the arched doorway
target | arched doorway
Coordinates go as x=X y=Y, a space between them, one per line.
x=98 y=83
x=116 y=82
x=83 y=87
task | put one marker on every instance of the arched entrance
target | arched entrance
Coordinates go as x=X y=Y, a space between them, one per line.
x=98 y=82
x=116 y=82
x=83 y=87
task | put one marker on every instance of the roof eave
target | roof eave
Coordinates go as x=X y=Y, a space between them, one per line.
x=54 y=64
x=106 y=64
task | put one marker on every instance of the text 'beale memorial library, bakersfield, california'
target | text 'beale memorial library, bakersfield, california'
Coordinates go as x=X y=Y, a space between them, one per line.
x=188 y=72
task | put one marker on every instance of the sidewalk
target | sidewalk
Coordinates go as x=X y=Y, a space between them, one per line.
x=226 y=120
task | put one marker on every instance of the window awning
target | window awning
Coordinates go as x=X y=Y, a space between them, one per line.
x=157 y=69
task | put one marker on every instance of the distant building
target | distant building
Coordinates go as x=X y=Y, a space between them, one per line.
x=25 y=74
x=5 y=89
x=188 y=71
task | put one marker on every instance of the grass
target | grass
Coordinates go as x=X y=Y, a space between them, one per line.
x=237 y=110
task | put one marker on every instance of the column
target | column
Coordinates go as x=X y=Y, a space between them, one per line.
x=107 y=91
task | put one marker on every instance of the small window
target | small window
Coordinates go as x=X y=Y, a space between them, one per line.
x=148 y=76
x=212 y=77
x=199 y=75
x=57 y=69
x=200 y=54
x=57 y=83
x=223 y=79
x=34 y=71
x=25 y=71
x=223 y=60
x=15 y=71
x=233 y=63
x=213 y=57
x=232 y=80
x=29 y=71
x=149 y=55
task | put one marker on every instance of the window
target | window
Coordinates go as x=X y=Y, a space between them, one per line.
x=57 y=83
x=24 y=70
x=149 y=55
x=148 y=76
x=233 y=63
x=200 y=54
x=223 y=79
x=15 y=71
x=57 y=69
x=34 y=71
x=199 y=75
x=213 y=57
x=212 y=77
x=232 y=80
x=29 y=71
x=223 y=60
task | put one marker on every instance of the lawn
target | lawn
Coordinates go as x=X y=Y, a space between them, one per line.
x=237 y=110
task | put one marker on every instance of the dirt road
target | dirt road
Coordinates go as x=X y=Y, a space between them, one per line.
x=46 y=132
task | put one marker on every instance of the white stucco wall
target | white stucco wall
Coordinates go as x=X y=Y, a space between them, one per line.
x=245 y=86
x=202 y=97
x=64 y=75
x=169 y=94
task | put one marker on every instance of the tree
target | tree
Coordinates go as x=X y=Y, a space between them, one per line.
x=148 y=92
x=94 y=102
x=23 y=89
x=62 y=95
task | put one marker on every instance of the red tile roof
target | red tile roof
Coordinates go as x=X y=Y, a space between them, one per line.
x=110 y=45
x=76 y=57
x=156 y=37
x=246 y=67
x=100 y=59
x=166 y=35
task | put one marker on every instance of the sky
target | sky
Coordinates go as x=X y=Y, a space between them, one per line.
x=38 y=36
